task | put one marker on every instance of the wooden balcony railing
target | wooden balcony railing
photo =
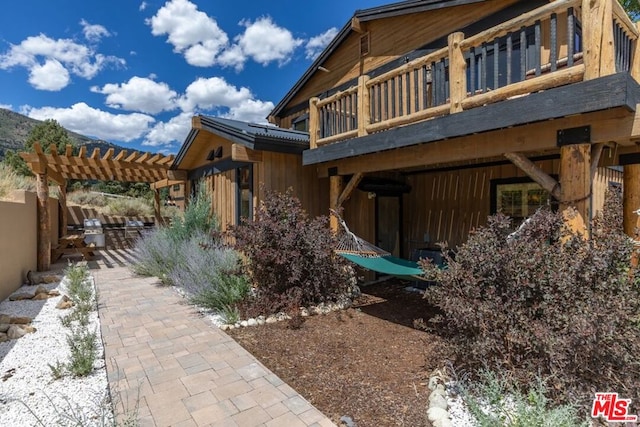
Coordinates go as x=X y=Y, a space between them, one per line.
x=563 y=42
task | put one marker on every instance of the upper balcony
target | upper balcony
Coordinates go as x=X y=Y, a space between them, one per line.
x=563 y=42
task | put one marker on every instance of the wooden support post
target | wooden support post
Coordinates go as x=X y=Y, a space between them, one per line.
x=314 y=122
x=335 y=189
x=575 y=186
x=156 y=207
x=457 y=72
x=348 y=189
x=635 y=57
x=62 y=202
x=597 y=35
x=44 y=226
x=630 y=198
x=364 y=105
x=596 y=153
x=187 y=193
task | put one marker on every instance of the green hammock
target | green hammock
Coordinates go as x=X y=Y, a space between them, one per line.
x=389 y=265
x=373 y=258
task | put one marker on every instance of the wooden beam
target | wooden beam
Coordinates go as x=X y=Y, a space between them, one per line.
x=314 y=123
x=458 y=73
x=109 y=154
x=82 y=153
x=155 y=158
x=631 y=198
x=62 y=217
x=156 y=207
x=44 y=226
x=364 y=105
x=131 y=157
x=96 y=154
x=597 y=38
x=596 y=153
x=357 y=26
x=240 y=153
x=121 y=155
x=164 y=183
x=335 y=189
x=575 y=185
x=535 y=173
x=55 y=176
x=143 y=158
x=177 y=175
x=635 y=64
x=348 y=189
x=68 y=150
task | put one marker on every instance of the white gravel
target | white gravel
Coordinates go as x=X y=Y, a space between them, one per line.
x=27 y=386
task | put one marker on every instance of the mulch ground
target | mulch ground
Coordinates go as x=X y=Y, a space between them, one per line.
x=367 y=362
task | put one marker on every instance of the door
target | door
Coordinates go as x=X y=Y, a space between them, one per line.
x=389 y=224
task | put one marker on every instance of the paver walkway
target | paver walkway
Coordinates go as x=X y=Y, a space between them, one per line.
x=180 y=369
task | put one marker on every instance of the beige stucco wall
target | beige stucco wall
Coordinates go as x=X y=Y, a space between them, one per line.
x=19 y=238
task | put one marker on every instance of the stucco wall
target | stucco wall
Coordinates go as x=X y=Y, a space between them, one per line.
x=19 y=238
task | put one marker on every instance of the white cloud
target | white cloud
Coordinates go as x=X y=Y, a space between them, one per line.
x=89 y=121
x=316 y=44
x=6 y=106
x=190 y=31
x=266 y=42
x=165 y=133
x=139 y=94
x=212 y=93
x=50 y=76
x=143 y=6
x=250 y=110
x=40 y=52
x=93 y=32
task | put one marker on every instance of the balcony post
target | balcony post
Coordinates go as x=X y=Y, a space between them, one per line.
x=575 y=186
x=597 y=33
x=364 y=105
x=457 y=72
x=314 y=123
x=335 y=189
x=635 y=59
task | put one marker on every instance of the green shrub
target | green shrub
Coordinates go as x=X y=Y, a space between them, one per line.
x=87 y=198
x=156 y=255
x=197 y=218
x=545 y=302
x=82 y=344
x=128 y=207
x=291 y=256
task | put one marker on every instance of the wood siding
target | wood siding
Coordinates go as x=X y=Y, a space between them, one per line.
x=601 y=181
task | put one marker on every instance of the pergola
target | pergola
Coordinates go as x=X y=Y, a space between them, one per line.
x=60 y=167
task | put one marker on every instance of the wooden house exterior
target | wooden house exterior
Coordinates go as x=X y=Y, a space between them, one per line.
x=424 y=117
x=237 y=162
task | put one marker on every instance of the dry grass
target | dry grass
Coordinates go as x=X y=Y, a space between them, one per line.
x=10 y=181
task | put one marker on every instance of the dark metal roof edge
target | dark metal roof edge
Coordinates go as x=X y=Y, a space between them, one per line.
x=210 y=124
x=614 y=91
x=184 y=148
x=365 y=15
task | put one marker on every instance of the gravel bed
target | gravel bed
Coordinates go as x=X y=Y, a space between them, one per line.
x=27 y=387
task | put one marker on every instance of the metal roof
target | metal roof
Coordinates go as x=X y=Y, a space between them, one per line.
x=364 y=15
x=252 y=135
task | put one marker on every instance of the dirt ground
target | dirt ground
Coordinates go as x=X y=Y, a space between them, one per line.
x=368 y=362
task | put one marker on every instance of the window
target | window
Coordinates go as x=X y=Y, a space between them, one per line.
x=301 y=123
x=244 y=193
x=176 y=187
x=365 y=44
x=517 y=198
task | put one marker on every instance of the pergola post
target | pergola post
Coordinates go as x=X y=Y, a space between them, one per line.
x=62 y=217
x=630 y=198
x=575 y=186
x=156 y=207
x=44 y=227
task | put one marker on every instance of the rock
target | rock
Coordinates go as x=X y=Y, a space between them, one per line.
x=4 y=318
x=20 y=320
x=41 y=296
x=3 y=337
x=4 y=327
x=271 y=319
x=237 y=325
x=35 y=278
x=436 y=400
x=436 y=414
x=261 y=322
x=244 y=323
x=41 y=290
x=252 y=322
x=347 y=421
x=64 y=303
x=231 y=327
x=440 y=390
x=28 y=328
x=442 y=422
x=21 y=296
x=15 y=332
x=304 y=312
x=224 y=327
x=54 y=293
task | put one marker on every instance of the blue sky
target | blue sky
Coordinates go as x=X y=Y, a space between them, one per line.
x=134 y=72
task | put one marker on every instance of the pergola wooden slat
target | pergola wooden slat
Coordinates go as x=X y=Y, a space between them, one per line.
x=60 y=167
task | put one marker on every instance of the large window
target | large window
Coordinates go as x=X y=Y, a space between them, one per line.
x=517 y=198
x=244 y=193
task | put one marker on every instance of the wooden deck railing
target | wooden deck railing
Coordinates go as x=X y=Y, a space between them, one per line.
x=563 y=42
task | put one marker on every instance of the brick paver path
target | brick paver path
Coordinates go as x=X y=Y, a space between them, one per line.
x=180 y=370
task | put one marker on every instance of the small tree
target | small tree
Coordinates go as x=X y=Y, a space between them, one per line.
x=46 y=133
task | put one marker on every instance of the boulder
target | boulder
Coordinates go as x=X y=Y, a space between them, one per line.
x=436 y=400
x=21 y=296
x=20 y=320
x=15 y=332
x=28 y=328
x=36 y=278
x=41 y=290
x=64 y=303
x=3 y=337
x=271 y=319
x=4 y=327
x=442 y=422
x=54 y=293
x=41 y=296
x=252 y=322
x=4 y=318
x=437 y=414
